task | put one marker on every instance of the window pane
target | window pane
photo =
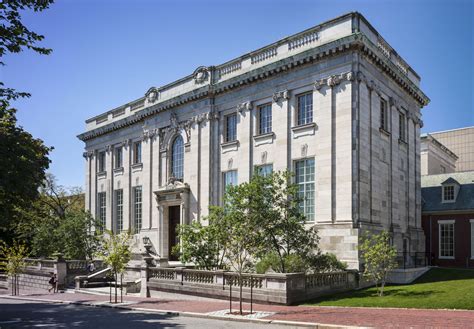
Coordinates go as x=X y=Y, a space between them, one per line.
x=137 y=152
x=118 y=157
x=304 y=176
x=177 y=158
x=231 y=128
x=265 y=170
x=305 y=109
x=265 y=119
x=119 y=209
x=101 y=160
x=137 y=208
x=446 y=236
x=101 y=210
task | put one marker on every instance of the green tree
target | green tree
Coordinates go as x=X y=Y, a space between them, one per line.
x=14 y=261
x=116 y=253
x=57 y=222
x=203 y=245
x=379 y=258
x=275 y=213
x=23 y=158
x=15 y=36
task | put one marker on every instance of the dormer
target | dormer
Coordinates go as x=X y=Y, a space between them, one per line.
x=449 y=190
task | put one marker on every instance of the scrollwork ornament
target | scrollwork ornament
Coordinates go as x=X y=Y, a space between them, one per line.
x=246 y=106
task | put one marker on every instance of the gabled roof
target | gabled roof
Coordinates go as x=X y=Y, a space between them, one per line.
x=450 y=180
x=431 y=192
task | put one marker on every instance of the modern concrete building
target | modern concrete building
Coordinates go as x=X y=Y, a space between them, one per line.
x=435 y=157
x=461 y=142
x=335 y=104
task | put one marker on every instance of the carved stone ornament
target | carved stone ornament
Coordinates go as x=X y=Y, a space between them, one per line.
x=201 y=74
x=333 y=80
x=149 y=133
x=152 y=95
x=108 y=148
x=319 y=84
x=246 y=106
x=263 y=157
x=88 y=154
x=281 y=95
x=230 y=163
x=304 y=150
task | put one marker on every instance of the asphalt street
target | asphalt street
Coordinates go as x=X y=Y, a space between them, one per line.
x=29 y=314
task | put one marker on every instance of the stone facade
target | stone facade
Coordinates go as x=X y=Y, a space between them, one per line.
x=435 y=157
x=367 y=174
x=461 y=142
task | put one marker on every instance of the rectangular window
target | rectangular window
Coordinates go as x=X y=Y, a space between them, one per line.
x=230 y=178
x=448 y=193
x=446 y=239
x=402 y=125
x=304 y=109
x=231 y=127
x=264 y=170
x=101 y=210
x=119 y=209
x=383 y=115
x=137 y=152
x=101 y=161
x=305 y=180
x=118 y=157
x=265 y=119
x=137 y=208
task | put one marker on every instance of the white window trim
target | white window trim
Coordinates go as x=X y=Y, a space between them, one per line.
x=441 y=222
x=472 y=238
x=454 y=193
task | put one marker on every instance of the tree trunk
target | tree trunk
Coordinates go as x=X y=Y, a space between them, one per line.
x=115 y=287
x=240 y=298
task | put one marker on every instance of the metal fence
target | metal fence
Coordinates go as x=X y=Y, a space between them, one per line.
x=413 y=259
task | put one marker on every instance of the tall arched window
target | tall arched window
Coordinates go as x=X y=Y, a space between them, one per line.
x=177 y=158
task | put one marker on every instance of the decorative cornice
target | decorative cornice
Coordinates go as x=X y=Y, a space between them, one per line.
x=357 y=41
x=281 y=95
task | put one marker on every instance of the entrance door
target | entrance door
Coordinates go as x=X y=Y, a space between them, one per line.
x=173 y=216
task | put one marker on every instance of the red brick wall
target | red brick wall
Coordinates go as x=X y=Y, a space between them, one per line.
x=462 y=239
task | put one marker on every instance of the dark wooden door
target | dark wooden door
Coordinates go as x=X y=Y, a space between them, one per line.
x=173 y=216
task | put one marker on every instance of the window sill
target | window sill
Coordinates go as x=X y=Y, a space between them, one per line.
x=446 y=257
x=264 y=138
x=137 y=167
x=101 y=174
x=402 y=142
x=304 y=130
x=230 y=146
x=118 y=170
x=383 y=131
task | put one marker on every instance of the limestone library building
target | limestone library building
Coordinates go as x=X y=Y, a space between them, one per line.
x=335 y=104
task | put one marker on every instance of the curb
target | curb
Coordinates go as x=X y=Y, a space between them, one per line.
x=188 y=314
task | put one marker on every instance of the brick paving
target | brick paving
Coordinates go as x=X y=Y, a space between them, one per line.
x=348 y=316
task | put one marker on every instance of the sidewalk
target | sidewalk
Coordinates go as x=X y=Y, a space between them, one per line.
x=315 y=316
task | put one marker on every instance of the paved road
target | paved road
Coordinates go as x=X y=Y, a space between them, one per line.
x=28 y=314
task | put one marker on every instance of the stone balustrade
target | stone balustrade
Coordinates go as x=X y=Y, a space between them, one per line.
x=276 y=288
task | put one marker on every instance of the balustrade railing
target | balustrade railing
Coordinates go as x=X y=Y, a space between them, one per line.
x=317 y=280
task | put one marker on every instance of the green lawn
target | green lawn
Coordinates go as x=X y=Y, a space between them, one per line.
x=438 y=288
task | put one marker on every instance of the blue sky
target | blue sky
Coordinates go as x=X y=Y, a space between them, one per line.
x=106 y=53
